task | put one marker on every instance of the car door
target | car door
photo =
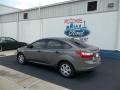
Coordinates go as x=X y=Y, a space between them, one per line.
x=11 y=43
x=53 y=51
x=3 y=43
x=36 y=52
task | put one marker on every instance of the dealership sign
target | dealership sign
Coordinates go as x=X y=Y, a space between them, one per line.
x=76 y=28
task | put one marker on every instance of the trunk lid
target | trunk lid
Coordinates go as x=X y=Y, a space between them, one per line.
x=83 y=46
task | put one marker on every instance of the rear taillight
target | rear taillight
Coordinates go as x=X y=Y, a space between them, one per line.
x=84 y=54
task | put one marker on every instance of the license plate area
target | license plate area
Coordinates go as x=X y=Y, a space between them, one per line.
x=90 y=62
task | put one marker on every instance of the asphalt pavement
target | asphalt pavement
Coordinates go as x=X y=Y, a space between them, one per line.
x=104 y=77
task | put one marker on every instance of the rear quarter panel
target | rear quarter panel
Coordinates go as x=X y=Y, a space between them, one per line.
x=69 y=56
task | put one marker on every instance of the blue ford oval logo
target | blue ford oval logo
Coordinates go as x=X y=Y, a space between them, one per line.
x=76 y=30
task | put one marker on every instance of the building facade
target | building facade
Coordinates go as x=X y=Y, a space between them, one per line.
x=100 y=17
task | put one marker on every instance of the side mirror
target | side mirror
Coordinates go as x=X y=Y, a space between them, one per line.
x=30 y=46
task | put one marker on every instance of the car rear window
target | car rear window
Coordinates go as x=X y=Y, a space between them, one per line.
x=79 y=43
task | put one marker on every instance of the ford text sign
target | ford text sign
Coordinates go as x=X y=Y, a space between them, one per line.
x=76 y=28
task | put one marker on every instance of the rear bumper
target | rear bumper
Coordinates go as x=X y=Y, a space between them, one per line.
x=85 y=65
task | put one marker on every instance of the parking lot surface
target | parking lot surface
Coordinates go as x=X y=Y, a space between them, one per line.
x=105 y=77
x=8 y=53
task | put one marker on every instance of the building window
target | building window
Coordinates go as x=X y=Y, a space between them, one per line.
x=25 y=16
x=92 y=6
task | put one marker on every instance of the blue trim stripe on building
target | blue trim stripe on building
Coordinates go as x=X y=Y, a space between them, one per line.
x=110 y=54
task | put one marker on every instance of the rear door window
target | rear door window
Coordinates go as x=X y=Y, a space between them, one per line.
x=54 y=44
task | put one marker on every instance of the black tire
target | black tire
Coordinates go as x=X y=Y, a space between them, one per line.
x=1 y=48
x=67 y=72
x=21 y=59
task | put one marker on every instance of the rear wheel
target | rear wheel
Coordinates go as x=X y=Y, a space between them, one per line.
x=66 y=69
x=21 y=59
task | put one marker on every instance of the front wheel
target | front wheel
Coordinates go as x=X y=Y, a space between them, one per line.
x=66 y=69
x=21 y=59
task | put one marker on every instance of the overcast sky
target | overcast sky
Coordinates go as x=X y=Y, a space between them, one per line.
x=25 y=4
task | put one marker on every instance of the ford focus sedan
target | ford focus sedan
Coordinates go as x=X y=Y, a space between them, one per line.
x=68 y=55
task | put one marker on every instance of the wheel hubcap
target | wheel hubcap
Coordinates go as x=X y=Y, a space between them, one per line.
x=21 y=59
x=65 y=70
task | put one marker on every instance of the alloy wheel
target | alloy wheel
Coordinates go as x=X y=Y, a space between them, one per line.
x=66 y=69
x=21 y=59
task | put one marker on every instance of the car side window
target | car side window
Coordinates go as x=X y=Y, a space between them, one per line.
x=54 y=44
x=39 y=44
x=9 y=40
x=66 y=46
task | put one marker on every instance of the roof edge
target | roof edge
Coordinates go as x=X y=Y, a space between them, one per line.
x=9 y=7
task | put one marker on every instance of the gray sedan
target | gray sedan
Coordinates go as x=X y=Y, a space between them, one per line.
x=68 y=55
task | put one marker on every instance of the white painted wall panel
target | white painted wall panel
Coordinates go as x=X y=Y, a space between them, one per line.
x=29 y=31
x=103 y=30
x=53 y=27
x=102 y=26
x=9 y=30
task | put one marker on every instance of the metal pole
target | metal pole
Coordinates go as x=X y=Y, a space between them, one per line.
x=39 y=10
x=40 y=21
x=1 y=29
x=18 y=27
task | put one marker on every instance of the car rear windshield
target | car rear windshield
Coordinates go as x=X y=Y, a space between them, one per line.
x=79 y=43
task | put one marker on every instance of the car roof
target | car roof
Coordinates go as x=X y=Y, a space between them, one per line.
x=5 y=37
x=67 y=39
x=60 y=38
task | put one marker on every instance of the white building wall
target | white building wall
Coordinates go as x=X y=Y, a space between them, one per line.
x=103 y=28
x=29 y=31
x=104 y=23
x=9 y=30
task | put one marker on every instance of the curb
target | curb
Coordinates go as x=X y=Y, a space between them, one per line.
x=7 y=84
